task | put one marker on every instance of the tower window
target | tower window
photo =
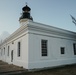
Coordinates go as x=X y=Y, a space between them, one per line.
x=19 y=49
x=74 y=48
x=44 y=47
x=62 y=50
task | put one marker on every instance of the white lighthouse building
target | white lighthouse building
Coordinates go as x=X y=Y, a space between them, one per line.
x=35 y=45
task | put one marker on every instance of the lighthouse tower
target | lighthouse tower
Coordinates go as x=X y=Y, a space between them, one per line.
x=25 y=16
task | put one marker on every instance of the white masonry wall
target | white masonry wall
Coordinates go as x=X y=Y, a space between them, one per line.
x=30 y=36
x=54 y=57
x=55 y=42
x=13 y=45
x=23 y=59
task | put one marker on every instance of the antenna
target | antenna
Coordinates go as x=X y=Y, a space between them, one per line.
x=26 y=3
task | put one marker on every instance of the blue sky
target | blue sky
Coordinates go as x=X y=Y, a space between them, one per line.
x=51 y=12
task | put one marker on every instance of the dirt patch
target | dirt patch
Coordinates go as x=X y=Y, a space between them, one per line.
x=64 y=70
x=8 y=69
x=67 y=70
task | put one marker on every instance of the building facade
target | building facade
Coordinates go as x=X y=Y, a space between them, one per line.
x=35 y=45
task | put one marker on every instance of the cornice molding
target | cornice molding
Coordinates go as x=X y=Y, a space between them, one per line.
x=17 y=33
x=51 y=30
x=41 y=28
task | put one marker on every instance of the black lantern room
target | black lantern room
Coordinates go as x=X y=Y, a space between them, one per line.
x=26 y=13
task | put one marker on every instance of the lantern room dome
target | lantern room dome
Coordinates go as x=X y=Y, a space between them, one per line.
x=26 y=8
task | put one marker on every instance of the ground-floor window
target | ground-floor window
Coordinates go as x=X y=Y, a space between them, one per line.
x=1 y=52
x=19 y=49
x=62 y=50
x=74 y=48
x=44 y=47
x=8 y=51
x=4 y=50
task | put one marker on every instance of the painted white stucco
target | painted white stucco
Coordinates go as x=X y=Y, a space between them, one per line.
x=30 y=35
